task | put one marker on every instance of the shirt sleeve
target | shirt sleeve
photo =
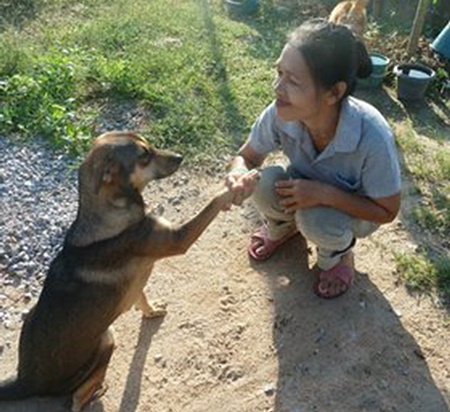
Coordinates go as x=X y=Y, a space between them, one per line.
x=381 y=170
x=264 y=137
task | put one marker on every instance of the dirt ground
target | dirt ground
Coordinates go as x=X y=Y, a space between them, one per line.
x=253 y=337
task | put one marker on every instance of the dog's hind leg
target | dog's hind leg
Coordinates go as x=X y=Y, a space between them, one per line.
x=92 y=388
x=148 y=310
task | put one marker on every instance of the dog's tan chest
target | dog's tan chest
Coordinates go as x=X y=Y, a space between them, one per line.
x=137 y=275
x=129 y=279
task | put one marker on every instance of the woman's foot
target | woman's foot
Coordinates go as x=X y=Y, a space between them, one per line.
x=336 y=281
x=261 y=247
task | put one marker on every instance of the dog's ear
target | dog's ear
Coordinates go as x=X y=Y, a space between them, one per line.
x=107 y=177
x=110 y=172
x=115 y=187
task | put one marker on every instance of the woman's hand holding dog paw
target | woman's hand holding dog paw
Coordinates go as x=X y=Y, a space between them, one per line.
x=242 y=184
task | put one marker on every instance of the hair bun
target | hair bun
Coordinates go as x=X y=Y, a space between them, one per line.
x=364 y=62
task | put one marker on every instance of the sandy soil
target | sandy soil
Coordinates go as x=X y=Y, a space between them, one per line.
x=253 y=337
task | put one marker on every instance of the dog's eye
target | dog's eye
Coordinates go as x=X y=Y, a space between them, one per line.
x=144 y=158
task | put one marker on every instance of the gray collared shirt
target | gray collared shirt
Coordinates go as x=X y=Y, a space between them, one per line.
x=361 y=158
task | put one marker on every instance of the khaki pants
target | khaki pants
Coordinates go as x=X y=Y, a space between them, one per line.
x=332 y=231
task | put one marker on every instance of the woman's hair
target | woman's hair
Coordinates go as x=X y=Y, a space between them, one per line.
x=332 y=53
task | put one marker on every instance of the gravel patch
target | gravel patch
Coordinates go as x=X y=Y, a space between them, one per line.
x=38 y=202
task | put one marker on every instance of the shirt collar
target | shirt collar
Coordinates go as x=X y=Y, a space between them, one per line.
x=292 y=129
x=348 y=131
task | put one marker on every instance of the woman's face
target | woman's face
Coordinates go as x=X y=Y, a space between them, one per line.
x=297 y=96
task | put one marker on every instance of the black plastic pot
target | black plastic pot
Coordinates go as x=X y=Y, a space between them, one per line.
x=242 y=7
x=413 y=81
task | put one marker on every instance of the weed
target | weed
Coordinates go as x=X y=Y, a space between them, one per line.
x=417 y=271
x=424 y=274
x=43 y=103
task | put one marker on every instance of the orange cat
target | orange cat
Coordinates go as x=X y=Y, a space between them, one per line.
x=351 y=14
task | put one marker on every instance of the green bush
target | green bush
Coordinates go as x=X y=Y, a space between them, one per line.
x=43 y=102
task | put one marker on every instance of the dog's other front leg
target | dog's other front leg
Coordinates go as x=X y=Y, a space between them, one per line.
x=148 y=310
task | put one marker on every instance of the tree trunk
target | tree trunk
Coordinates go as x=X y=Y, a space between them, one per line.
x=416 y=30
x=377 y=6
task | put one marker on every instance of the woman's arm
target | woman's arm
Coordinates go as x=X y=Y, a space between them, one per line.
x=380 y=210
x=246 y=159
x=302 y=193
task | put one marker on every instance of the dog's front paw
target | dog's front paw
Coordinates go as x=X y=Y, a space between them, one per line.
x=154 y=313
x=149 y=311
x=242 y=188
x=154 y=310
x=225 y=197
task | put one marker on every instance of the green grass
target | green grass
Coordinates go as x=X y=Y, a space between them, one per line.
x=199 y=77
x=423 y=274
x=426 y=163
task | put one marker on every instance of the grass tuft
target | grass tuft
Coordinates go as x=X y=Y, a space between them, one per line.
x=424 y=274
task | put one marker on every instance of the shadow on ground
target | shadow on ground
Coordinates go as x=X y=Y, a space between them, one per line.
x=349 y=354
x=130 y=399
x=132 y=391
x=15 y=13
x=233 y=120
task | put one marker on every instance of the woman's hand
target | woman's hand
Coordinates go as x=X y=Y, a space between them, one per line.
x=242 y=184
x=240 y=180
x=299 y=193
x=302 y=194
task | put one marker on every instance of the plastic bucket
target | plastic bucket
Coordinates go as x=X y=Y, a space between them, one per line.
x=242 y=7
x=412 y=81
x=441 y=43
x=379 y=64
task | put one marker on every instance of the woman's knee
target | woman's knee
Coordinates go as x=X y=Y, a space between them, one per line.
x=326 y=227
x=265 y=194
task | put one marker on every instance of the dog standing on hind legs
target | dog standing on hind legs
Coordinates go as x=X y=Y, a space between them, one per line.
x=66 y=341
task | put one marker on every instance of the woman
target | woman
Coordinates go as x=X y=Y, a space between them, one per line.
x=343 y=180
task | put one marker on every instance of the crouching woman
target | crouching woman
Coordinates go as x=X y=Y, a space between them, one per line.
x=343 y=179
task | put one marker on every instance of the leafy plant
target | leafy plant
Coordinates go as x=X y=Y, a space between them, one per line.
x=43 y=102
x=424 y=274
x=418 y=272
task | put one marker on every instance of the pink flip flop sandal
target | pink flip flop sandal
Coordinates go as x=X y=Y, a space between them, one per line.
x=261 y=247
x=342 y=272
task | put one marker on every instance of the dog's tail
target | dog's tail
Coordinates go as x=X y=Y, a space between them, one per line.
x=13 y=389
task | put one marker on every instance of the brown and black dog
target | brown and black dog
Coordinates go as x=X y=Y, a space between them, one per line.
x=109 y=251
x=351 y=14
